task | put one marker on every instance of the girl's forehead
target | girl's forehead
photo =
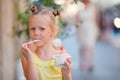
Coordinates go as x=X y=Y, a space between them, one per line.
x=39 y=19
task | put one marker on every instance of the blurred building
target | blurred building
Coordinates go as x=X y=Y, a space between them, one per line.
x=7 y=40
x=7 y=48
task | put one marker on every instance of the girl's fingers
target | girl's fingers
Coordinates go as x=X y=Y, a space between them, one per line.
x=69 y=60
x=28 y=50
x=68 y=63
x=25 y=47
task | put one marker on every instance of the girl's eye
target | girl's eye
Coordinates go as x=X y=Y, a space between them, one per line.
x=32 y=28
x=42 y=28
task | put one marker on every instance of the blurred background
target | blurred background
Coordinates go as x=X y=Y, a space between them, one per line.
x=14 y=16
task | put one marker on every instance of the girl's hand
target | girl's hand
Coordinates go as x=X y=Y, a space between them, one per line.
x=67 y=71
x=28 y=49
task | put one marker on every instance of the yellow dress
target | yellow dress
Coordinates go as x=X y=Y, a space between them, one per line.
x=47 y=70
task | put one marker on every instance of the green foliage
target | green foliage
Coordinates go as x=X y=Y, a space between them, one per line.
x=46 y=3
x=61 y=25
x=23 y=18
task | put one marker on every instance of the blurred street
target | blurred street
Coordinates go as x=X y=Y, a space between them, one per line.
x=106 y=59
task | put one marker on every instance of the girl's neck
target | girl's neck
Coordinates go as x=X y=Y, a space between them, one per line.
x=45 y=52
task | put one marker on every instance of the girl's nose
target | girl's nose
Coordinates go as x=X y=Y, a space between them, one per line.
x=37 y=32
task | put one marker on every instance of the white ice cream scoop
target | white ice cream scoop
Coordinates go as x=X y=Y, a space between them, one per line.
x=57 y=43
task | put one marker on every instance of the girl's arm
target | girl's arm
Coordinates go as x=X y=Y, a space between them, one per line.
x=29 y=67
x=67 y=77
x=30 y=70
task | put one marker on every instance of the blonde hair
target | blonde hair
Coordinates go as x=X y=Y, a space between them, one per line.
x=52 y=14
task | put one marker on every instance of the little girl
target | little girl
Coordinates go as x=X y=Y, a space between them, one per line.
x=37 y=56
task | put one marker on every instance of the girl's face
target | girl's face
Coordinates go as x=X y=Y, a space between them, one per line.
x=39 y=29
x=86 y=1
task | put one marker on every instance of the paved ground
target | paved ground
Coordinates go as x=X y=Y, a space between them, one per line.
x=107 y=61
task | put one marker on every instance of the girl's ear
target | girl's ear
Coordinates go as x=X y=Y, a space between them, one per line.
x=55 y=32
